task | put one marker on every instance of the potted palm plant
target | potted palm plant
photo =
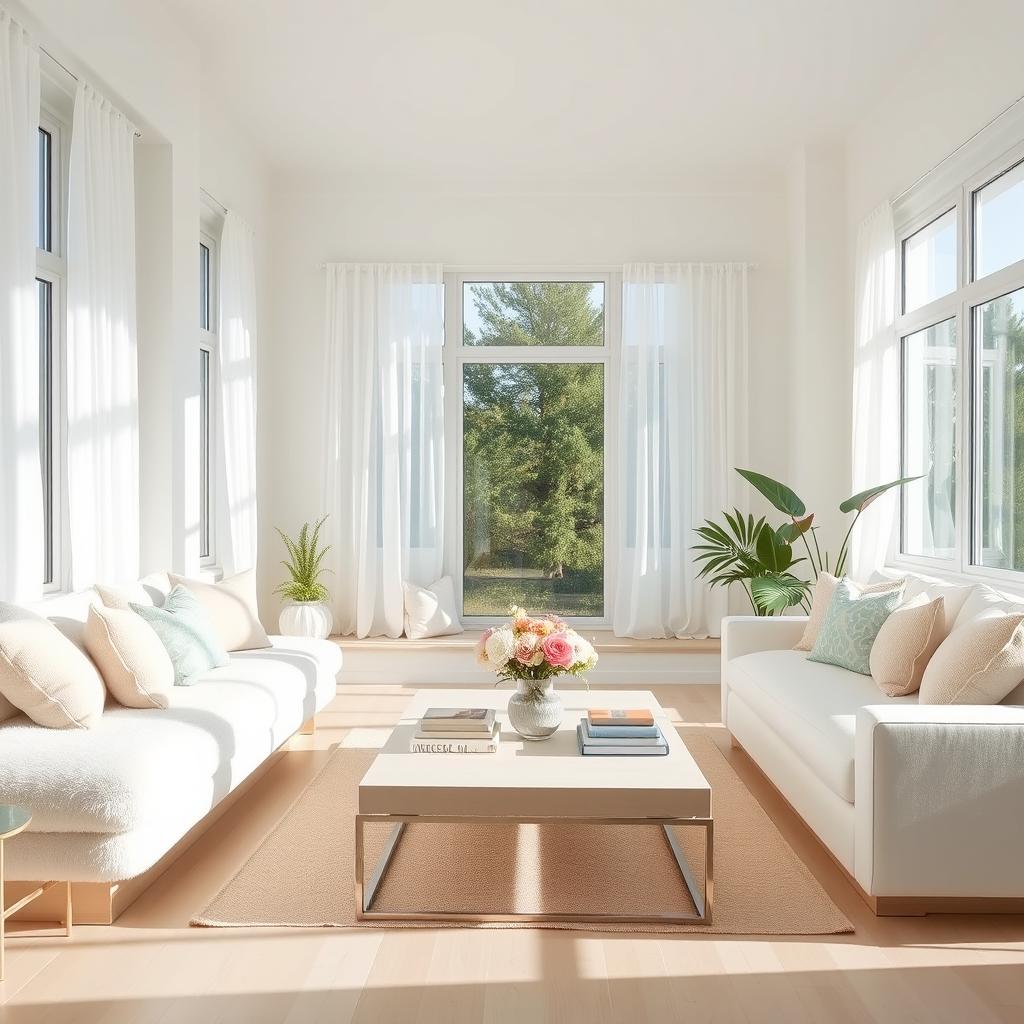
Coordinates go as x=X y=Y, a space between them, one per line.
x=306 y=612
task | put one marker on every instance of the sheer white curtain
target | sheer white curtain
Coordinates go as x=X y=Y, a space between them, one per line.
x=384 y=474
x=21 y=494
x=236 y=478
x=876 y=382
x=682 y=430
x=102 y=365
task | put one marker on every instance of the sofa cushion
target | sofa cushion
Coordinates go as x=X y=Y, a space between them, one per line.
x=145 y=768
x=812 y=708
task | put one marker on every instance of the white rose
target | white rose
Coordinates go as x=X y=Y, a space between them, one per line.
x=583 y=652
x=500 y=646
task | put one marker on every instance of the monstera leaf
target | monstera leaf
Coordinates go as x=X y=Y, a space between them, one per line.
x=860 y=501
x=784 y=499
x=774 y=594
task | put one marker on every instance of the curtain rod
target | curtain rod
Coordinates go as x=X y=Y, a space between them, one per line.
x=215 y=201
x=949 y=156
x=589 y=268
x=71 y=74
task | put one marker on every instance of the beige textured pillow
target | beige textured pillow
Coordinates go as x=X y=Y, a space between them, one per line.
x=44 y=674
x=906 y=643
x=978 y=663
x=132 y=660
x=822 y=597
x=231 y=605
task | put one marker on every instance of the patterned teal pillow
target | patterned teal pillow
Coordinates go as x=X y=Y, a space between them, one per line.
x=852 y=621
x=185 y=630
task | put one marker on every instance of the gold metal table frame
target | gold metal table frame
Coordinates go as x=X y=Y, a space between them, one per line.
x=367 y=889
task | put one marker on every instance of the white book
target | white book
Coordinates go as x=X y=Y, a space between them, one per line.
x=619 y=741
x=419 y=745
x=458 y=734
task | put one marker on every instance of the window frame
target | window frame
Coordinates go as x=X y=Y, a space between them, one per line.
x=456 y=355
x=918 y=210
x=206 y=459
x=51 y=268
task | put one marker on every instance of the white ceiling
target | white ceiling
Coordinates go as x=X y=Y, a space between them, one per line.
x=580 y=91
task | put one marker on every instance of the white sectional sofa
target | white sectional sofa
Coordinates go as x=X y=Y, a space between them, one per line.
x=923 y=806
x=109 y=802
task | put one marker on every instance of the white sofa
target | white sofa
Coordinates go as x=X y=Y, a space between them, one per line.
x=109 y=802
x=922 y=805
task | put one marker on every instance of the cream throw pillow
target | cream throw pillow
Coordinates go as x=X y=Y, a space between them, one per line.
x=231 y=606
x=44 y=674
x=430 y=611
x=906 y=643
x=130 y=656
x=824 y=590
x=978 y=663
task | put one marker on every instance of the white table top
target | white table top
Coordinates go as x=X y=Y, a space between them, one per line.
x=546 y=778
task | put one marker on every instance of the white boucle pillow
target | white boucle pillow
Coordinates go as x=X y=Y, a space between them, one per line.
x=231 y=606
x=44 y=674
x=152 y=590
x=134 y=663
x=430 y=611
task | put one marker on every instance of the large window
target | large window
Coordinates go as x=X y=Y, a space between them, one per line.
x=528 y=366
x=208 y=265
x=962 y=342
x=51 y=273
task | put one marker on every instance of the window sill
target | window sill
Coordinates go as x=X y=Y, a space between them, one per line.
x=603 y=640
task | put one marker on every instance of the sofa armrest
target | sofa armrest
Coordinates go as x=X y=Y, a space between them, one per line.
x=939 y=791
x=747 y=634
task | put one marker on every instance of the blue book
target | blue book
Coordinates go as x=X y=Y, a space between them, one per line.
x=639 y=750
x=622 y=731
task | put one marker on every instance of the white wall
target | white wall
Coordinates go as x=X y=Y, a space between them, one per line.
x=315 y=222
x=138 y=56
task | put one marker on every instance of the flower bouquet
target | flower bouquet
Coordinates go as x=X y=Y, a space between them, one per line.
x=534 y=652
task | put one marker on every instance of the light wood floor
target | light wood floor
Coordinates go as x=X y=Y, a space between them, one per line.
x=151 y=967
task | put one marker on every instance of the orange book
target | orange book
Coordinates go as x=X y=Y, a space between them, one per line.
x=620 y=716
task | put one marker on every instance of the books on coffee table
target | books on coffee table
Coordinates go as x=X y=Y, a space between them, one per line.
x=622 y=733
x=456 y=731
x=478 y=720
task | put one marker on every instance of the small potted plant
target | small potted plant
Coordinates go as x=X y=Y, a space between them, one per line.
x=306 y=612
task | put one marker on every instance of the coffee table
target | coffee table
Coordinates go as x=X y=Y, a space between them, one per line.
x=533 y=783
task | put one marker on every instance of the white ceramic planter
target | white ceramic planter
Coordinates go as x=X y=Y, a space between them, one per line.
x=306 y=618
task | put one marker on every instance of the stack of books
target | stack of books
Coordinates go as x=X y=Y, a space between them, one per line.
x=456 y=731
x=622 y=732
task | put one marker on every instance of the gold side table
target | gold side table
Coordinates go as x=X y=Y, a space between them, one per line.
x=12 y=821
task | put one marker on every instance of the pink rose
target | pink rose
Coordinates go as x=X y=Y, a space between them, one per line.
x=558 y=650
x=528 y=651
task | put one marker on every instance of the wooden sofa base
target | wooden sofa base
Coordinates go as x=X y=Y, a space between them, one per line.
x=103 y=902
x=900 y=906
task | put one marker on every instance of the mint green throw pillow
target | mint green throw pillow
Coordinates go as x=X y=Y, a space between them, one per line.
x=852 y=621
x=185 y=630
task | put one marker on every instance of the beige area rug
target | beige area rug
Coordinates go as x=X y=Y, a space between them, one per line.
x=302 y=875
